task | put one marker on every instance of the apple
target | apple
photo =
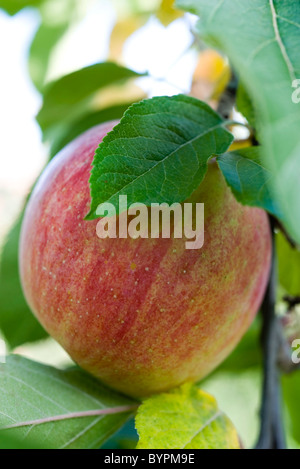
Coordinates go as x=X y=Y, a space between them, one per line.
x=142 y=315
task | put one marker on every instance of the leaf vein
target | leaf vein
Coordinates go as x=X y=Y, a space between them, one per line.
x=209 y=422
x=280 y=41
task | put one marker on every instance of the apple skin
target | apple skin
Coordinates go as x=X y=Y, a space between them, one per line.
x=142 y=315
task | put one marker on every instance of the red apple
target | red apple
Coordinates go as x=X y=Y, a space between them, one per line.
x=142 y=315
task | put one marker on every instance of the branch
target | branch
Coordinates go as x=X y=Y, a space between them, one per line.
x=228 y=98
x=271 y=433
x=289 y=239
x=292 y=301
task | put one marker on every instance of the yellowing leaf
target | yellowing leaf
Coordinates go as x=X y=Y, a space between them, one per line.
x=122 y=31
x=185 y=418
x=167 y=12
x=239 y=144
x=117 y=94
x=210 y=66
x=211 y=76
x=126 y=8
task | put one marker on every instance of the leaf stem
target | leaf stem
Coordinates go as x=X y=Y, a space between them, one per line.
x=75 y=415
x=272 y=434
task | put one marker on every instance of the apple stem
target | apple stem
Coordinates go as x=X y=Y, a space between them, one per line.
x=272 y=435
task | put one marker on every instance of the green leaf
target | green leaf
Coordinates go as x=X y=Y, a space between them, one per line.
x=248 y=352
x=64 y=99
x=41 y=48
x=125 y=438
x=245 y=105
x=57 y=16
x=32 y=392
x=288 y=265
x=13 y=6
x=10 y=442
x=185 y=418
x=16 y=320
x=167 y=13
x=86 y=122
x=239 y=395
x=291 y=392
x=158 y=153
x=248 y=179
x=260 y=38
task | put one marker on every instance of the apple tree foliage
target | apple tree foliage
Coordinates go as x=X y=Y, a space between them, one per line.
x=42 y=406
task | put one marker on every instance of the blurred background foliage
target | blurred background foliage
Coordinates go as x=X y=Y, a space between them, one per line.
x=87 y=61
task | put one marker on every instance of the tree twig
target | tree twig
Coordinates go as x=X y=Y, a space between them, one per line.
x=289 y=239
x=292 y=301
x=272 y=434
x=228 y=98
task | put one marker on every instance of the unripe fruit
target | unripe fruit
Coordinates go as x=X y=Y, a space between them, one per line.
x=143 y=315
